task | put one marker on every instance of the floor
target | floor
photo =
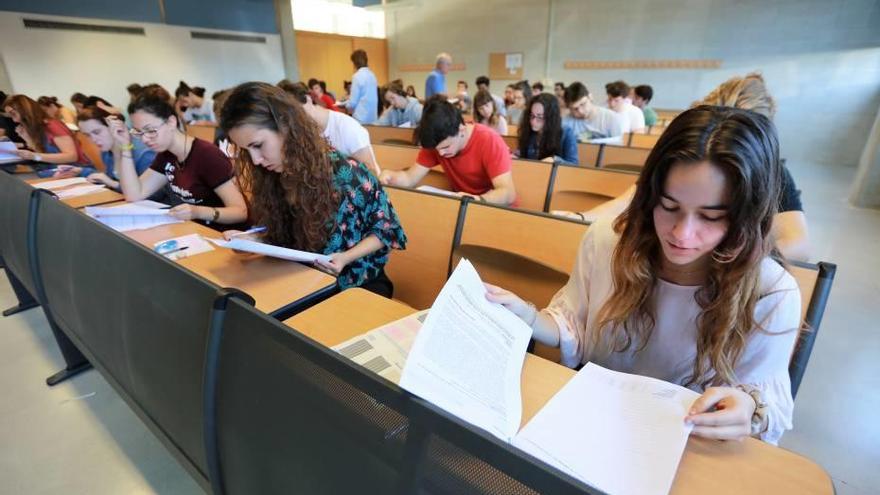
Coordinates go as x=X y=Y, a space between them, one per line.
x=80 y=437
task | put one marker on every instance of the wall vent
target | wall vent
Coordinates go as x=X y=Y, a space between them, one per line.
x=75 y=26
x=202 y=35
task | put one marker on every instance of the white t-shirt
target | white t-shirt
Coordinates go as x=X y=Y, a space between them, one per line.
x=633 y=118
x=345 y=134
x=603 y=123
x=203 y=113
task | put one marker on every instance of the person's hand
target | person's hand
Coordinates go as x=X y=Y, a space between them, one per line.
x=185 y=211
x=548 y=159
x=25 y=154
x=461 y=194
x=101 y=178
x=337 y=262
x=390 y=177
x=66 y=171
x=722 y=413
x=119 y=131
x=511 y=301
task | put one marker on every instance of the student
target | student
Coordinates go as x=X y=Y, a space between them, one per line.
x=435 y=83
x=134 y=89
x=541 y=135
x=508 y=96
x=364 y=100
x=681 y=287
x=500 y=107
x=587 y=120
x=319 y=96
x=401 y=109
x=343 y=133
x=108 y=132
x=47 y=140
x=486 y=112
x=199 y=174
x=522 y=93
x=57 y=111
x=7 y=125
x=308 y=196
x=618 y=100
x=537 y=88
x=475 y=159
x=411 y=92
x=559 y=91
x=464 y=99
x=78 y=100
x=199 y=110
x=641 y=96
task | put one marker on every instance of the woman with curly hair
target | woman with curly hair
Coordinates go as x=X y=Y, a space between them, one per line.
x=541 y=135
x=308 y=196
x=681 y=286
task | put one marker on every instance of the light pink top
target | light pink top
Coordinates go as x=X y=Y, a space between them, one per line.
x=671 y=349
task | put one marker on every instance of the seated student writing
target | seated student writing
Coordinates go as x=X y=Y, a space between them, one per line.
x=681 y=286
x=199 y=110
x=308 y=196
x=401 y=109
x=541 y=135
x=55 y=110
x=586 y=119
x=486 y=112
x=344 y=133
x=618 y=100
x=475 y=158
x=47 y=140
x=200 y=175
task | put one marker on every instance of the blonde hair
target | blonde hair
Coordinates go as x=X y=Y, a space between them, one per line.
x=748 y=93
x=443 y=57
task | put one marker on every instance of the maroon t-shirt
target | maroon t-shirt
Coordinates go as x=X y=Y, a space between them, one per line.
x=204 y=169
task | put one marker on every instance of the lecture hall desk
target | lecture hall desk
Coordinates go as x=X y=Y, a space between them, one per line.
x=707 y=467
x=92 y=199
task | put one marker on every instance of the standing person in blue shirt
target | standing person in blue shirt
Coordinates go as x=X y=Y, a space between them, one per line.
x=364 y=100
x=435 y=84
x=402 y=109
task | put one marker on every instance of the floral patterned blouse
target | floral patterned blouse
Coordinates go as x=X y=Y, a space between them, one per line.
x=364 y=209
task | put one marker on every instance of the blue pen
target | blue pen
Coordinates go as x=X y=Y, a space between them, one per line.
x=255 y=230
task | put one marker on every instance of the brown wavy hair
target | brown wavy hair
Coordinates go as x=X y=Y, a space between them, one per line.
x=296 y=204
x=749 y=92
x=481 y=98
x=744 y=146
x=33 y=118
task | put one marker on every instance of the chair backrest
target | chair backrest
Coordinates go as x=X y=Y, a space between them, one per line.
x=639 y=140
x=295 y=417
x=511 y=141
x=390 y=135
x=430 y=221
x=205 y=132
x=395 y=157
x=582 y=188
x=530 y=253
x=144 y=326
x=91 y=150
x=15 y=201
x=531 y=179
x=623 y=158
x=814 y=282
x=588 y=154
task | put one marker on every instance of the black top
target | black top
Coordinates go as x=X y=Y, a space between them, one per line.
x=790 y=200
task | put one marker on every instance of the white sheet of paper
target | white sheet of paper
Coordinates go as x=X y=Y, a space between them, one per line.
x=468 y=356
x=383 y=350
x=57 y=184
x=270 y=250
x=437 y=190
x=128 y=209
x=406 y=125
x=621 y=433
x=78 y=190
x=8 y=151
x=141 y=215
x=194 y=243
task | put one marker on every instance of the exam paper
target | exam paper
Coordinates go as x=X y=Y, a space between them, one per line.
x=8 y=152
x=132 y=216
x=58 y=184
x=78 y=190
x=623 y=434
x=437 y=190
x=194 y=244
x=383 y=350
x=270 y=250
x=468 y=356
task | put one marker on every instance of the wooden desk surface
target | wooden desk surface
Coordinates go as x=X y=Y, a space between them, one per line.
x=97 y=198
x=707 y=466
x=273 y=283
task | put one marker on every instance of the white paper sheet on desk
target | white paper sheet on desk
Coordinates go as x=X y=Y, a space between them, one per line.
x=194 y=244
x=58 y=184
x=144 y=219
x=8 y=151
x=621 y=433
x=270 y=250
x=437 y=190
x=383 y=350
x=78 y=190
x=468 y=356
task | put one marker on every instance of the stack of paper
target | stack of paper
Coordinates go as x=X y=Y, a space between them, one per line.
x=270 y=250
x=8 y=153
x=132 y=216
x=60 y=183
x=78 y=190
x=383 y=350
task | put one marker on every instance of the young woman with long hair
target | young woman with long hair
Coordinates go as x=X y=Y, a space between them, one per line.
x=200 y=175
x=308 y=196
x=681 y=286
x=99 y=125
x=55 y=110
x=541 y=135
x=486 y=113
x=47 y=140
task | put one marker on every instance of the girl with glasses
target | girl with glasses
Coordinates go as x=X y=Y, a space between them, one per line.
x=541 y=135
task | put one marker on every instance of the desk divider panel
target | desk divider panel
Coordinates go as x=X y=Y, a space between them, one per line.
x=623 y=158
x=582 y=188
x=15 y=199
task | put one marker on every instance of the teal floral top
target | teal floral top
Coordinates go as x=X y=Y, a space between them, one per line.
x=364 y=209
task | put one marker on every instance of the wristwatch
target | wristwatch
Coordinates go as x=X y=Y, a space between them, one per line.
x=216 y=215
x=759 y=417
x=38 y=158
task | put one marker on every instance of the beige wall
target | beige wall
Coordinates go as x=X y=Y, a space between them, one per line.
x=327 y=57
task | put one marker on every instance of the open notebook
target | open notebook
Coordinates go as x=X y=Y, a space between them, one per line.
x=624 y=434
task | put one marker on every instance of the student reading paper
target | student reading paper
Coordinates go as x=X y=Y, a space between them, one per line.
x=308 y=196
x=681 y=286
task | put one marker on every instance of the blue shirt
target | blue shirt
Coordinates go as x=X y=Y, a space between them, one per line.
x=394 y=117
x=568 y=151
x=142 y=156
x=364 y=101
x=435 y=84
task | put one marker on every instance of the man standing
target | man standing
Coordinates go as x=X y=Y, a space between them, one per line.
x=435 y=84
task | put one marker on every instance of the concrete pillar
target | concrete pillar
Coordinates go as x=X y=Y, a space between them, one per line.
x=866 y=187
x=284 y=18
x=5 y=83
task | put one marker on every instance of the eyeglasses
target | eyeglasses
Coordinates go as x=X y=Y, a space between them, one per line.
x=539 y=118
x=149 y=132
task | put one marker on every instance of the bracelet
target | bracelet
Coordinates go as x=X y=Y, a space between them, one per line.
x=759 y=417
x=126 y=147
x=216 y=214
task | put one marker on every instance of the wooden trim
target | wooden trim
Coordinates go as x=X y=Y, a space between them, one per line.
x=643 y=64
x=426 y=67
x=334 y=35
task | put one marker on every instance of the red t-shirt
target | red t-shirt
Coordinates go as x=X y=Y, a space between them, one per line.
x=329 y=102
x=55 y=129
x=485 y=157
x=204 y=169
